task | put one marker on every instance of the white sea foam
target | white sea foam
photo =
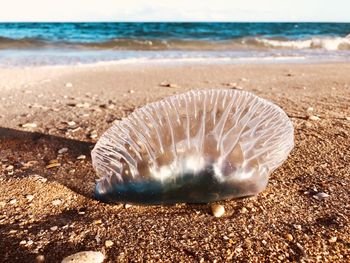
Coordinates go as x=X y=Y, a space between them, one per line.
x=327 y=43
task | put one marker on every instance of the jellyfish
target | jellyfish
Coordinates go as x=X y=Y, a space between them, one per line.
x=197 y=147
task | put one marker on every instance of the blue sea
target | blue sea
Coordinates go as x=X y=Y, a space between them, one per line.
x=37 y=44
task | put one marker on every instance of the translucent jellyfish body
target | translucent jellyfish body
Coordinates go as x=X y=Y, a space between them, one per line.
x=196 y=147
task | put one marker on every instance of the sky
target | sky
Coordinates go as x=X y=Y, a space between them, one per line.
x=175 y=10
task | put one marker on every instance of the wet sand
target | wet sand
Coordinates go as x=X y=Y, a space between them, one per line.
x=46 y=204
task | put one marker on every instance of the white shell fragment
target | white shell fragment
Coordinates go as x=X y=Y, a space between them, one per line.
x=321 y=196
x=217 y=210
x=85 y=257
x=196 y=147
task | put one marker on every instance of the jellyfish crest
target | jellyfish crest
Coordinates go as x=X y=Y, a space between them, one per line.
x=200 y=146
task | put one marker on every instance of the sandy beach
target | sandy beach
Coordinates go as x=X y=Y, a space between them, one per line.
x=50 y=118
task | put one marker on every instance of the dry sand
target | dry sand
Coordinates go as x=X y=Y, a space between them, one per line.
x=50 y=211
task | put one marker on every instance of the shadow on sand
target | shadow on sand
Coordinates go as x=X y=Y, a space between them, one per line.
x=22 y=147
x=56 y=249
x=19 y=148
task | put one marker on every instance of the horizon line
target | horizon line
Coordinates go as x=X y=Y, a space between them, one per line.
x=174 y=21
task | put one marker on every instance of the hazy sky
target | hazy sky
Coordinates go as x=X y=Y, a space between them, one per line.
x=175 y=10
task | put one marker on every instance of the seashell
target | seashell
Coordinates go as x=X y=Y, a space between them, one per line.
x=217 y=210
x=85 y=257
x=197 y=147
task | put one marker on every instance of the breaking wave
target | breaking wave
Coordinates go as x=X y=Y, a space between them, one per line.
x=245 y=43
x=327 y=43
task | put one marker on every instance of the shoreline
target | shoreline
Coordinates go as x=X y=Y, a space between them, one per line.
x=61 y=57
x=190 y=61
x=49 y=210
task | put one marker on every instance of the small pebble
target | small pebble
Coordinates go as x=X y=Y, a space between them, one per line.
x=52 y=165
x=30 y=197
x=29 y=125
x=71 y=123
x=332 y=240
x=63 y=150
x=314 y=118
x=289 y=237
x=81 y=157
x=244 y=210
x=9 y=168
x=126 y=206
x=320 y=196
x=298 y=227
x=30 y=242
x=53 y=228
x=131 y=91
x=83 y=105
x=217 y=210
x=56 y=202
x=347 y=118
x=109 y=243
x=309 y=111
x=98 y=222
x=85 y=257
x=93 y=135
x=69 y=85
x=23 y=242
x=13 y=201
x=169 y=85
x=75 y=129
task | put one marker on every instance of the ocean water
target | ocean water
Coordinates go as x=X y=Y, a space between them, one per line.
x=27 y=44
